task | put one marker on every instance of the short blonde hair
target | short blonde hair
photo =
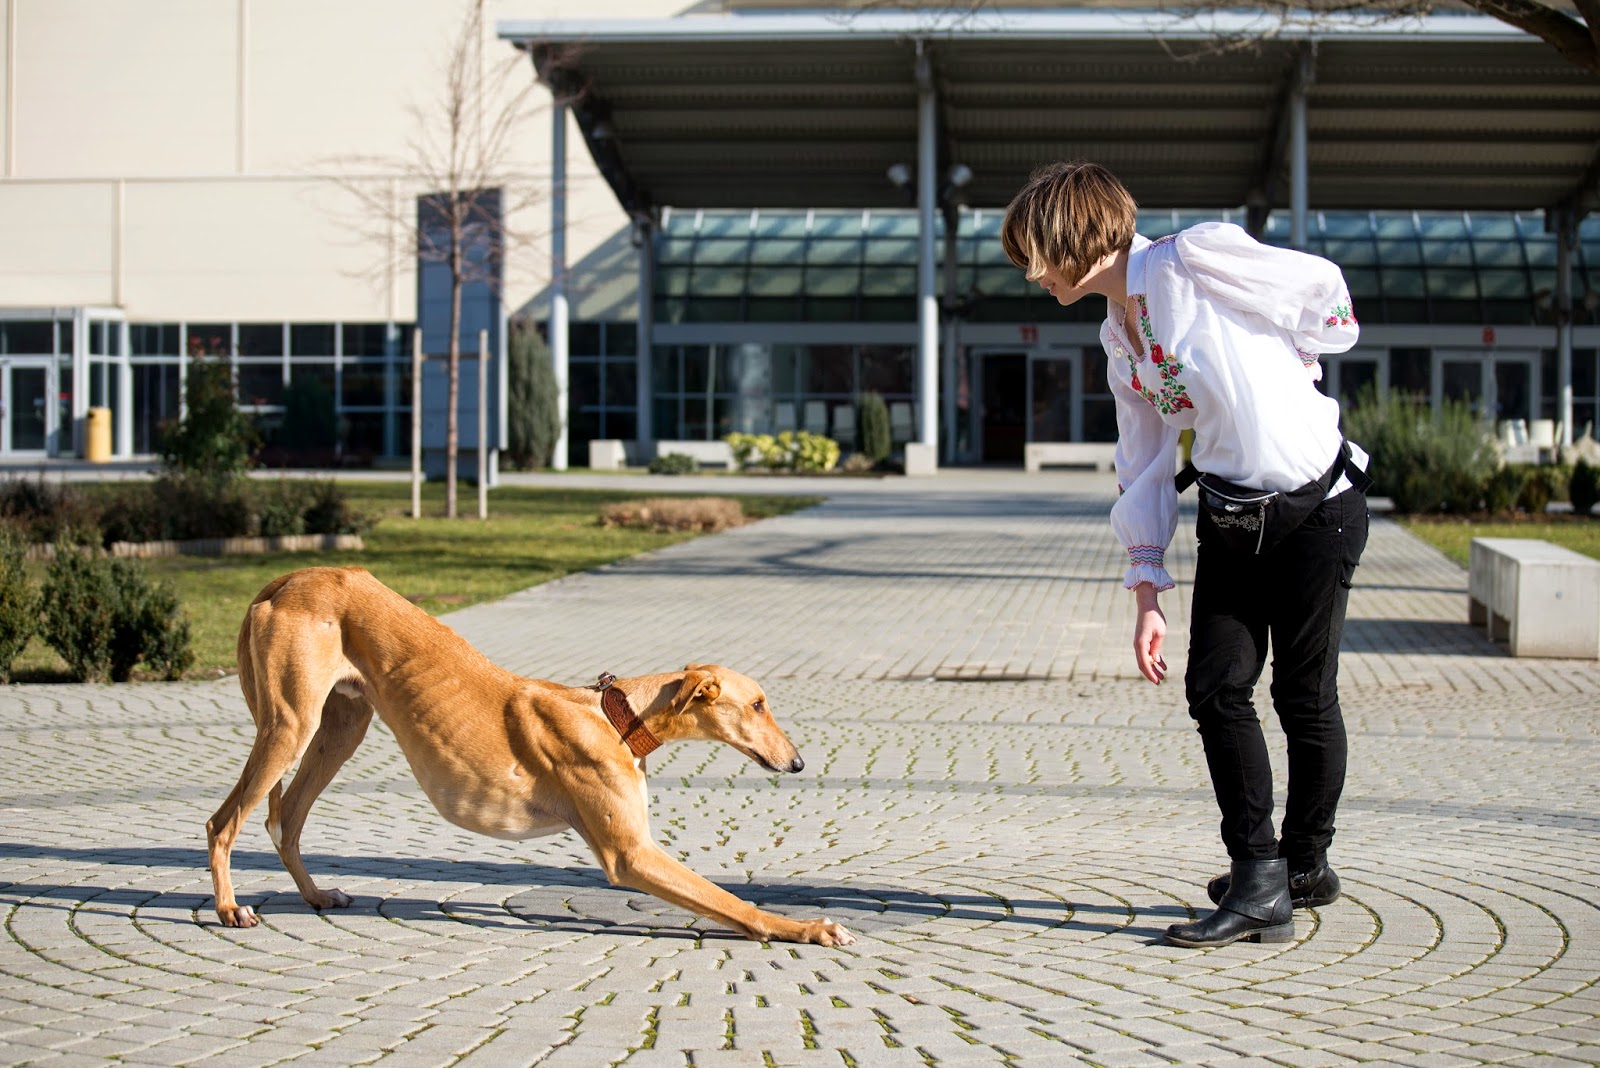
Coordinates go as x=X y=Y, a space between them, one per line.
x=1069 y=217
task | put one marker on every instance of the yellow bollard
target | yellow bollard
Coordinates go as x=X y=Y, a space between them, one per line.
x=97 y=436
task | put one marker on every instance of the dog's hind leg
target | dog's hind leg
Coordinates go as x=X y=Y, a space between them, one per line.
x=344 y=724
x=287 y=712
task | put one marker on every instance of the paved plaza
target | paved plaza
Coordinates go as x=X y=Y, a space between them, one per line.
x=993 y=801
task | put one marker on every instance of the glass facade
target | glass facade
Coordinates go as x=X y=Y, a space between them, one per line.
x=768 y=321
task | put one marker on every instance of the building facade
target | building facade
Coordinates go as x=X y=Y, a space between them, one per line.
x=178 y=185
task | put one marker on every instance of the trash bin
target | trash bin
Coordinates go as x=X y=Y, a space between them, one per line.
x=97 y=436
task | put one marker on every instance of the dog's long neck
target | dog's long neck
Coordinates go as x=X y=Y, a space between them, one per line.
x=654 y=700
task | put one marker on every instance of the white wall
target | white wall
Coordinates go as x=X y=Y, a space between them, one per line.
x=177 y=157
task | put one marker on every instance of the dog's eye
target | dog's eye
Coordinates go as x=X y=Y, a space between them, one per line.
x=760 y=707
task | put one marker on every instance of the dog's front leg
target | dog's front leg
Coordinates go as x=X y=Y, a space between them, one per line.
x=622 y=844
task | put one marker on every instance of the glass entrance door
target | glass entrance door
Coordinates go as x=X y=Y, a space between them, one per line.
x=1055 y=407
x=1003 y=405
x=22 y=407
x=1497 y=385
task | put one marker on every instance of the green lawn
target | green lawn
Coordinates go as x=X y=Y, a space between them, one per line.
x=1454 y=536
x=533 y=535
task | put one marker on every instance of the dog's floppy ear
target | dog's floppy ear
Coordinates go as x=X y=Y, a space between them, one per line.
x=698 y=683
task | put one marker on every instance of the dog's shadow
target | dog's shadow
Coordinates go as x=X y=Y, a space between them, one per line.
x=568 y=899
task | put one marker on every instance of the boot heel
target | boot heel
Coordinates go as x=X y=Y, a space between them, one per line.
x=1283 y=932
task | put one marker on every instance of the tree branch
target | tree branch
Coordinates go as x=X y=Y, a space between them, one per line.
x=1573 y=39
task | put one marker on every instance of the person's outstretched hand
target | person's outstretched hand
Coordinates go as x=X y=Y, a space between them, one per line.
x=1149 y=631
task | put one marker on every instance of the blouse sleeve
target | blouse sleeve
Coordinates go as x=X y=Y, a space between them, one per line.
x=1146 y=513
x=1301 y=294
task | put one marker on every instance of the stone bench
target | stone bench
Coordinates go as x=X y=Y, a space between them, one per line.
x=1099 y=455
x=1542 y=599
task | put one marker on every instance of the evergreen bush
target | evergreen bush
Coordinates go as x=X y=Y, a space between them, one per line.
x=214 y=439
x=533 y=412
x=874 y=422
x=1541 y=486
x=80 y=611
x=19 y=600
x=1422 y=459
x=1503 y=489
x=674 y=463
x=104 y=617
x=1583 y=487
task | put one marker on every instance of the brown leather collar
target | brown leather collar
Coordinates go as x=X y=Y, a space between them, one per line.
x=635 y=735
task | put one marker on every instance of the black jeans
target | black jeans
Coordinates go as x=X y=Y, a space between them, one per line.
x=1297 y=594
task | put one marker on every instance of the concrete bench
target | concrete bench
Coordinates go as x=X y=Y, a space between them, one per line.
x=607 y=454
x=705 y=453
x=1542 y=599
x=1099 y=455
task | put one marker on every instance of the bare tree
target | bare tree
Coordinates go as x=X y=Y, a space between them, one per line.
x=460 y=160
x=1573 y=31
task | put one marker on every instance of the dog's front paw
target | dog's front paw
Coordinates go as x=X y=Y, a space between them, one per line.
x=827 y=933
x=237 y=916
x=329 y=899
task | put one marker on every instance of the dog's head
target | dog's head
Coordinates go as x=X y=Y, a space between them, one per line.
x=726 y=706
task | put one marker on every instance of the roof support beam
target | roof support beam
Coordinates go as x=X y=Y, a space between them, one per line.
x=1267 y=189
x=558 y=274
x=927 y=296
x=1299 y=164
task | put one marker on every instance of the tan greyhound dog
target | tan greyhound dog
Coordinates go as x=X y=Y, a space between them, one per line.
x=496 y=753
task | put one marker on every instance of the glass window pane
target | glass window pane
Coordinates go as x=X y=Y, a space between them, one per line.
x=363 y=383
x=260 y=339
x=779 y=251
x=886 y=369
x=886 y=224
x=717 y=281
x=154 y=339
x=1394 y=226
x=1396 y=253
x=842 y=281
x=583 y=339
x=622 y=339
x=1448 y=253
x=887 y=281
x=365 y=339
x=31 y=337
x=209 y=339
x=260 y=383
x=311 y=339
x=1452 y=283
x=721 y=251
x=621 y=381
x=1351 y=252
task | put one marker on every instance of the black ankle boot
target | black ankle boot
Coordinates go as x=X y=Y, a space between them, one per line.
x=1311 y=885
x=1256 y=908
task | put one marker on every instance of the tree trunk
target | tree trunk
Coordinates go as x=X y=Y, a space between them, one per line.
x=452 y=432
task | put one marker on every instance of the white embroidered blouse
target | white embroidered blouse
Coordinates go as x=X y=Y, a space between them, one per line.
x=1231 y=331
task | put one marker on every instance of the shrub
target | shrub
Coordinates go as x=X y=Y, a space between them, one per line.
x=103 y=616
x=43 y=512
x=150 y=626
x=19 y=600
x=80 y=611
x=1583 y=487
x=1539 y=488
x=706 y=514
x=874 y=422
x=533 y=409
x=280 y=509
x=328 y=511
x=857 y=464
x=789 y=451
x=674 y=463
x=214 y=438
x=1503 y=489
x=811 y=452
x=1424 y=460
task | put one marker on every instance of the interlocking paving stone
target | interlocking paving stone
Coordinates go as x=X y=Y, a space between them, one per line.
x=993 y=801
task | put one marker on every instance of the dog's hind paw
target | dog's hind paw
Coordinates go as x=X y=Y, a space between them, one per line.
x=831 y=934
x=238 y=916
x=329 y=899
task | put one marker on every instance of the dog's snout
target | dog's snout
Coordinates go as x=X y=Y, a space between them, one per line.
x=797 y=764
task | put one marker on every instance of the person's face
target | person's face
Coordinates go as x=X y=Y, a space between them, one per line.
x=1051 y=280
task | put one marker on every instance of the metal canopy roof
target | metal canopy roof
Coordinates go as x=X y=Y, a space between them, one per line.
x=809 y=110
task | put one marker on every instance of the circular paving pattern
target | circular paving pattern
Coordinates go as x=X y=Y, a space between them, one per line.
x=1008 y=881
